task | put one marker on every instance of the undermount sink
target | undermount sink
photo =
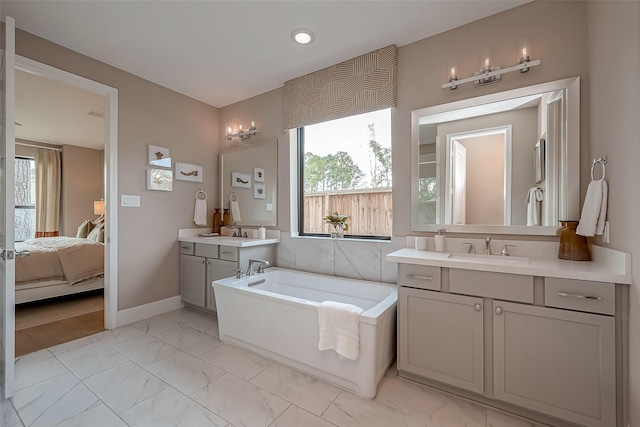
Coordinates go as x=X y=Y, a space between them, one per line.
x=491 y=259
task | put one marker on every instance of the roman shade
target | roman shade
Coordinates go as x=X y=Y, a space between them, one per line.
x=360 y=85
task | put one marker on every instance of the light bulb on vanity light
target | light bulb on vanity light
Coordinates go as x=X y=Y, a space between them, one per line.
x=229 y=131
x=452 y=79
x=487 y=66
x=253 y=126
x=239 y=128
x=524 y=59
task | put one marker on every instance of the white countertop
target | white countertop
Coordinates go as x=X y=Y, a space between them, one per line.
x=238 y=242
x=610 y=269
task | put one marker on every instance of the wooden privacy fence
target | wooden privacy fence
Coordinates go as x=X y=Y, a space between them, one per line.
x=370 y=211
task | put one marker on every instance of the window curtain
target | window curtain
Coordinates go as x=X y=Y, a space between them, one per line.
x=48 y=178
x=360 y=85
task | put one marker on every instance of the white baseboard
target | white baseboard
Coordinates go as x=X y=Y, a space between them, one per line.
x=141 y=312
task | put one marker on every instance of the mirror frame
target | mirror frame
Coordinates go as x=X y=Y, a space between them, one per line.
x=224 y=170
x=572 y=190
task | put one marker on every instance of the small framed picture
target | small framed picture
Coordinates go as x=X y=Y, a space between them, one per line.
x=259 y=191
x=258 y=174
x=159 y=156
x=242 y=180
x=188 y=172
x=159 y=179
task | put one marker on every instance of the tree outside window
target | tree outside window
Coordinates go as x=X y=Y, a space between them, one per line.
x=25 y=199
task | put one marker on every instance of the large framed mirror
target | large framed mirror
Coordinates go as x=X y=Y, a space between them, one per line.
x=249 y=175
x=505 y=163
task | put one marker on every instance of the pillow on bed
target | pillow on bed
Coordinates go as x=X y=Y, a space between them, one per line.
x=97 y=234
x=84 y=229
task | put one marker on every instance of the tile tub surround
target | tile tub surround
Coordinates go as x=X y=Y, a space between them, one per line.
x=348 y=258
x=129 y=394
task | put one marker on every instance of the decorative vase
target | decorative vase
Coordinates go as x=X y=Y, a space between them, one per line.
x=572 y=246
x=226 y=217
x=336 y=230
x=217 y=219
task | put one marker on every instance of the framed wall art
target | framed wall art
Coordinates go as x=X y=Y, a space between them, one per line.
x=188 y=172
x=159 y=156
x=242 y=180
x=258 y=174
x=259 y=191
x=159 y=179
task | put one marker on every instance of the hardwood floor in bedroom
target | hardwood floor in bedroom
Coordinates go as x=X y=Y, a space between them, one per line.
x=44 y=324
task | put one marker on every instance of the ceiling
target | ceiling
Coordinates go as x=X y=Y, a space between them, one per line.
x=221 y=52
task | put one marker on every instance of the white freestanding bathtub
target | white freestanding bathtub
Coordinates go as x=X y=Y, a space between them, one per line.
x=275 y=314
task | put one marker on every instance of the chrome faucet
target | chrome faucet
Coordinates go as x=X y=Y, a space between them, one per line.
x=487 y=246
x=262 y=264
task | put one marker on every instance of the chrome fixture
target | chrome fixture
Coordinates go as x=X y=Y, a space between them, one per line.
x=262 y=264
x=491 y=74
x=487 y=246
x=472 y=249
x=239 y=273
x=242 y=134
x=505 y=249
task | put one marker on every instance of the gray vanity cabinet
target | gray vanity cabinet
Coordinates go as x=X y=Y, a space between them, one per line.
x=452 y=354
x=192 y=279
x=217 y=269
x=557 y=362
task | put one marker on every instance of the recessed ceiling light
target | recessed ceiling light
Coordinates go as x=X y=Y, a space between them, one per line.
x=302 y=36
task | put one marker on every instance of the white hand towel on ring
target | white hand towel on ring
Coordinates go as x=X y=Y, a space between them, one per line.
x=594 y=210
x=534 y=195
x=235 y=210
x=200 y=212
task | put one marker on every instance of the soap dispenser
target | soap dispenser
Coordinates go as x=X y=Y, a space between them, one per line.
x=440 y=240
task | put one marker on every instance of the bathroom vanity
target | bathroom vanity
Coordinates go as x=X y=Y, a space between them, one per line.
x=205 y=259
x=539 y=337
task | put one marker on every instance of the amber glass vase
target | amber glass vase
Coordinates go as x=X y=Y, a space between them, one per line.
x=226 y=217
x=217 y=220
x=572 y=246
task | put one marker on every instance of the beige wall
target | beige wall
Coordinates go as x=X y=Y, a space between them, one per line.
x=614 y=37
x=82 y=171
x=148 y=266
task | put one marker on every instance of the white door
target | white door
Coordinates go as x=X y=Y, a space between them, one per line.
x=7 y=206
x=458 y=183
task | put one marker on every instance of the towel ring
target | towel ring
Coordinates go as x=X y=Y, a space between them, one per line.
x=602 y=162
x=201 y=192
x=233 y=197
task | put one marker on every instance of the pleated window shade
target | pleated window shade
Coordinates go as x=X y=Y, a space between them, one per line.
x=360 y=85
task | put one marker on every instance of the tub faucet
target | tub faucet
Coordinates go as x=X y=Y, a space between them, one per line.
x=262 y=264
x=487 y=246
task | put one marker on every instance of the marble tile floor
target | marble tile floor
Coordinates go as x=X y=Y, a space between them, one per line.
x=172 y=370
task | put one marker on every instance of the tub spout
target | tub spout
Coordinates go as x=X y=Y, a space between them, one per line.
x=261 y=265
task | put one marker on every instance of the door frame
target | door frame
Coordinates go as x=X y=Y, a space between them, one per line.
x=111 y=168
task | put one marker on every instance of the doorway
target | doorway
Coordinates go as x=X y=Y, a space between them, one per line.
x=110 y=111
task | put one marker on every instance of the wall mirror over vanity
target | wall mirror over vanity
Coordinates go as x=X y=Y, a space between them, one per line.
x=250 y=173
x=475 y=161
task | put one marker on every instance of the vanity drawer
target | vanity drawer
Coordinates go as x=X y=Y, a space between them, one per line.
x=504 y=286
x=229 y=253
x=186 y=248
x=581 y=295
x=420 y=276
x=207 y=250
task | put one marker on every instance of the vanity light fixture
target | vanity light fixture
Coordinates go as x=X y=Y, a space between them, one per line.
x=490 y=74
x=242 y=134
x=302 y=36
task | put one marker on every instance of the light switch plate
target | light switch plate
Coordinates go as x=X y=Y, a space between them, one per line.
x=129 y=201
x=269 y=207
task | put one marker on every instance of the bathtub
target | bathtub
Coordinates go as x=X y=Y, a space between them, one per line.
x=275 y=314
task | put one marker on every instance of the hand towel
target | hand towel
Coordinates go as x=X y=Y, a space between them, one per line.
x=200 y=212
x=594 y=210
x=235 y=211
x=340 y=328
x=534 y=195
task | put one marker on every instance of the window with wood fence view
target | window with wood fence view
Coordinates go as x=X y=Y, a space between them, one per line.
x=347 y=169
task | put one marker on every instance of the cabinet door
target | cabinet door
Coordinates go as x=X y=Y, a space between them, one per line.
x=217 y=269
x=192 y=279
x=558 y=362
x=441 y=337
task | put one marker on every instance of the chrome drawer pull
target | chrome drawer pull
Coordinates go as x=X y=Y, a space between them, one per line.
x=420 y=277
x=591 y=297
x=226 y=252
x=185 y=247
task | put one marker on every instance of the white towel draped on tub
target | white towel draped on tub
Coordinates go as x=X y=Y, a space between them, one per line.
x=594 y=210
x=534 y=195
x=340 y=328
x=200 y=213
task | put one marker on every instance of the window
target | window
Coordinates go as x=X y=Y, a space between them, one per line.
x=25 y=197
x=345 y=167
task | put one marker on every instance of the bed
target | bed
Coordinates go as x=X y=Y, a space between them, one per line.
x=58 y=266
